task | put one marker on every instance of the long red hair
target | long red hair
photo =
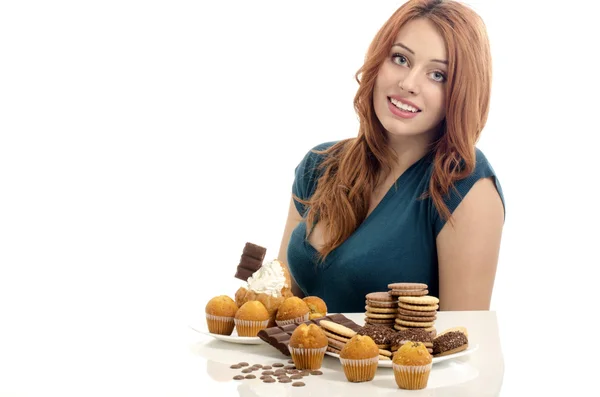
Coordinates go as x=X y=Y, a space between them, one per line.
x=352 y=166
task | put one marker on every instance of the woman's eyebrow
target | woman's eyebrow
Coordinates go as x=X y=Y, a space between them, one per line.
x=412 y=52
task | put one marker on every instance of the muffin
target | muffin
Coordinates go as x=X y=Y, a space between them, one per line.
x=317 y=307
x=412 y=365
x=220 y=312
x=359 y=358
x=292 y=310
x=307 y=346
x=251 y=318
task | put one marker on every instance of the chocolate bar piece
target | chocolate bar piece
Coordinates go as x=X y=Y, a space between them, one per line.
x=243 y=274
x=254 y=251
x=250 y=261
x=279 y=337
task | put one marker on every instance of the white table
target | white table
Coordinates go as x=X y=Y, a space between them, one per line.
x=477 y=374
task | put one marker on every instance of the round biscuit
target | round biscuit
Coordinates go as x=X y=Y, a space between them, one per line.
x=380 y=321
x=335 y=343
x=331 y=335
x=333 y=350
x=409 y=293
x=389 y=304
x=415 y=318
x=382 y=347
x=381 y=309
x=414 y=324
x=418 y=308
x=381 y=316
x=419 y=300
x=407 y=286
x=379 y=296
x=415 y=313
x=384 y=352
x=336 y=328
x=384 y=358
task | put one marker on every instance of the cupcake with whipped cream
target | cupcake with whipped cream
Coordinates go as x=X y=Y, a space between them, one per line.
x=270 y=285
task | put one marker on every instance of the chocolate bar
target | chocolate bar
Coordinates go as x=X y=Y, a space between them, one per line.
x=254 y=251
x=250 y=261
x=279 y=336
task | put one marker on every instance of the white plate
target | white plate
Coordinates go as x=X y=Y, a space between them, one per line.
x=435 y=360
x=233 y=338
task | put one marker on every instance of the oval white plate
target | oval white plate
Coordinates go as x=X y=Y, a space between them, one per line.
x=435 y=360
x=233 y=338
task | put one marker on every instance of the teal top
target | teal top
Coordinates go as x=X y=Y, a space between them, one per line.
x=395 y=243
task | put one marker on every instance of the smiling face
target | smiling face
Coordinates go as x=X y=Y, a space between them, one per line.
x=409 y=92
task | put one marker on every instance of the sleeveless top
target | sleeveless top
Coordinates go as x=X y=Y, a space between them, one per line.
x=395 y=243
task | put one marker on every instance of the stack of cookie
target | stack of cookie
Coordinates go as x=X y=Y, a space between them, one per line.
x=381 y=309
x=415 y=308
x=417 y=312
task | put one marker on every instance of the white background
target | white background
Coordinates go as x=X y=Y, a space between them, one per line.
x=143 y=143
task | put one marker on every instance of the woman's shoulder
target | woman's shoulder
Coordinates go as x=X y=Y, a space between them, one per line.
x=460 y=188
x=307 y=173
x=314 y=156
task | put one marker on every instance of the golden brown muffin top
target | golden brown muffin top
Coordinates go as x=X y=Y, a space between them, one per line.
x=292 y=308
x=316 y=305
x=253 y=311
x=308 y=336
x=221 y=305
x=412 y=353
x=359 y=347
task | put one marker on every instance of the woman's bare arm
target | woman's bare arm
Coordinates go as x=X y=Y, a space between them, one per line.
x=468 y=250
x=293 y=219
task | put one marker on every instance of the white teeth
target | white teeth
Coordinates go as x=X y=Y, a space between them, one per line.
x=403 y=106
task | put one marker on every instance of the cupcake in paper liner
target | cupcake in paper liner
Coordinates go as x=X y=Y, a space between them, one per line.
x=307 y=346
x=292 y=310
x=220 y=312
x=359 y=358
x=251 y=318
x=316 y=305
x=412 y=365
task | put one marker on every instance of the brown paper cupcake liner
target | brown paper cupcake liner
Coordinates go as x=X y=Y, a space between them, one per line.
x=219 y=325
x=249 y=327
x=411 y=377
x=305 y=358
x=296 y=320
x=362 y=370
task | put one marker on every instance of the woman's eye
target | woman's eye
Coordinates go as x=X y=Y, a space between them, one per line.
x=438 y=76
x=399 y=59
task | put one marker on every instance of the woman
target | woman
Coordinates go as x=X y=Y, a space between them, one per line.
x=410 y=199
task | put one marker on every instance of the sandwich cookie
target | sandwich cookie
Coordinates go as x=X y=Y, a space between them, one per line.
x=407 y=289
x=381 y=309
